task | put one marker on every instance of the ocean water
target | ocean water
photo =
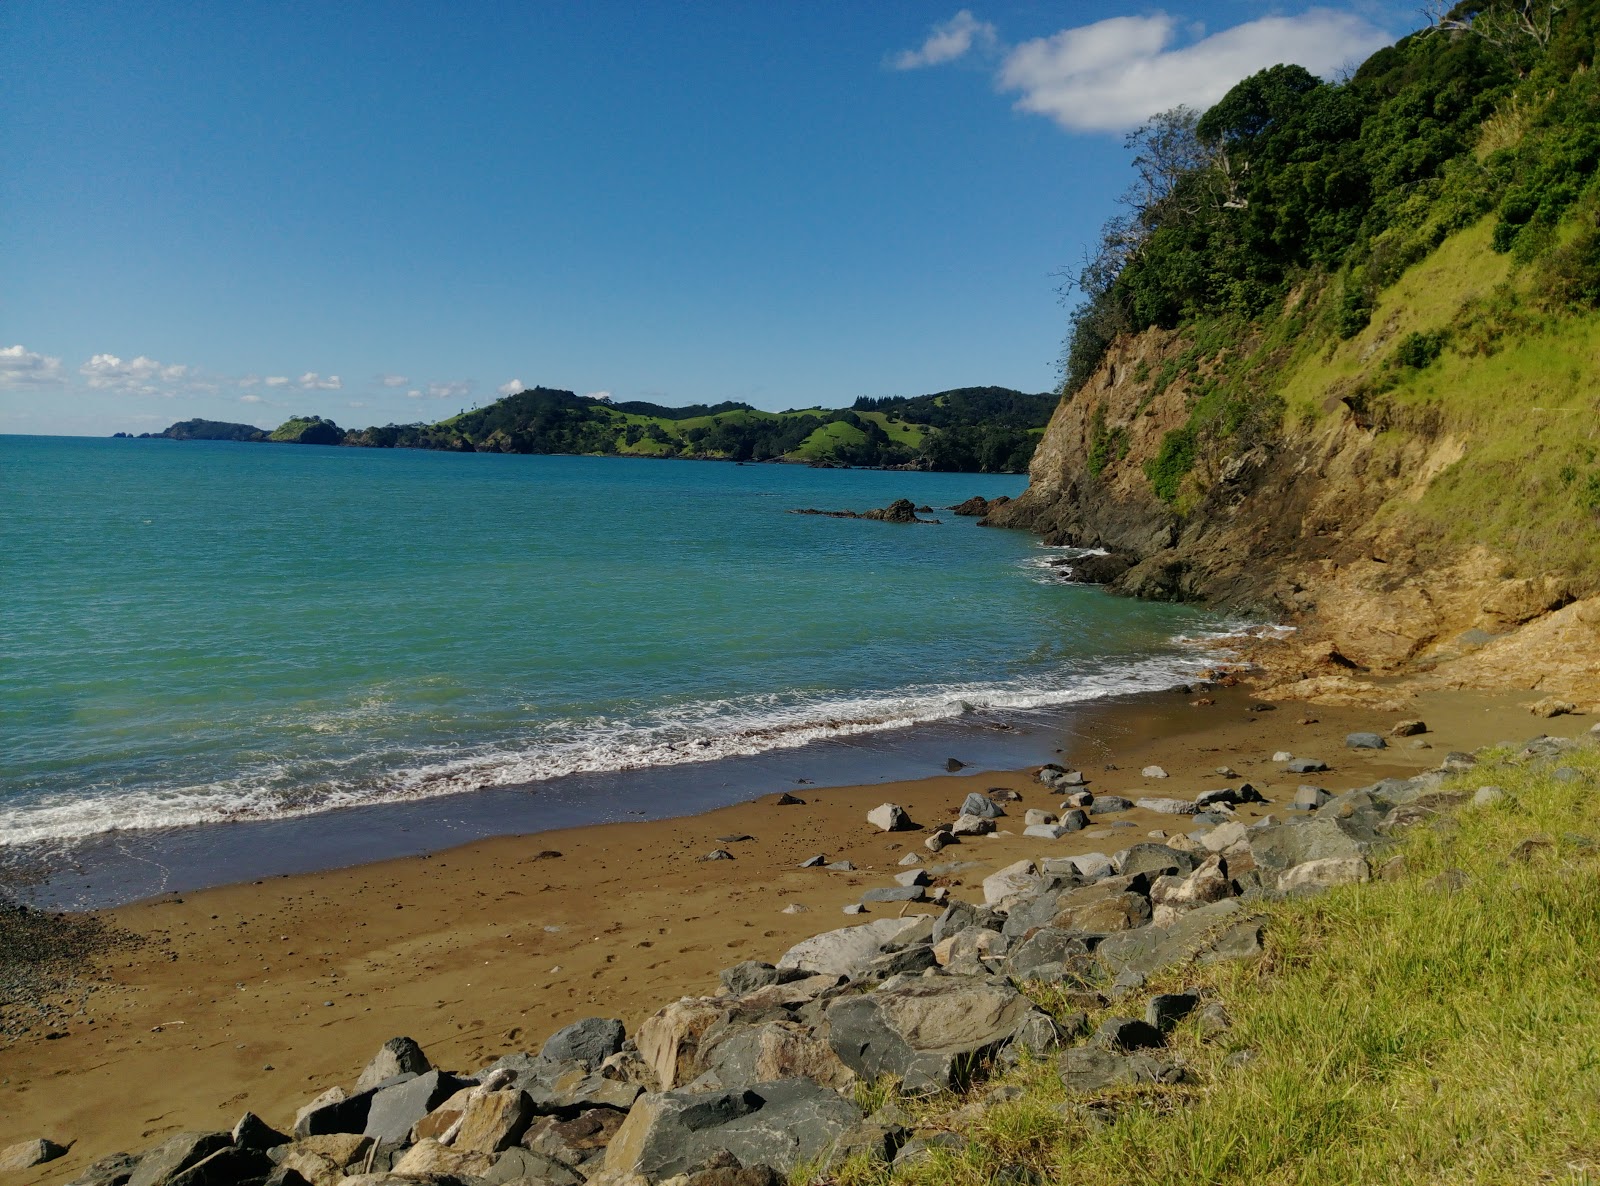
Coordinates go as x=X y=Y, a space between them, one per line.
x=194 y=633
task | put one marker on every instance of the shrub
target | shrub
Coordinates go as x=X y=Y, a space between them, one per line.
x=1167 y=469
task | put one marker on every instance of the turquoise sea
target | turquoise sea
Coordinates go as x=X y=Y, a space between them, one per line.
x=193 y=633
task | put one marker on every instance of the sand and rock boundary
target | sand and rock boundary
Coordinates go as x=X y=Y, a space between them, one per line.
x=782 y=1069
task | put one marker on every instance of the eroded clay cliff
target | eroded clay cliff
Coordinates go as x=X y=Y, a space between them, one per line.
x=1306 y=526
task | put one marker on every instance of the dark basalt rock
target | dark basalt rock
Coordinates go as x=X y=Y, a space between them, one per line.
x=1097 y=570
x=901 y=510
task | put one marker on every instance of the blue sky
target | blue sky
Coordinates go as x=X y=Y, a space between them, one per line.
x=388 y=211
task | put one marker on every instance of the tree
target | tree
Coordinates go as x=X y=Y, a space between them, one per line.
x=1508 y=25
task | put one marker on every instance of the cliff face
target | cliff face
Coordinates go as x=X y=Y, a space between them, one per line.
x=1344 y=520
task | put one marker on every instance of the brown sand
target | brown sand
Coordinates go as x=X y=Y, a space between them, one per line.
x=488 y=948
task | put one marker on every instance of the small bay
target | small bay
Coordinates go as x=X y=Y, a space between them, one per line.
x=202 y=632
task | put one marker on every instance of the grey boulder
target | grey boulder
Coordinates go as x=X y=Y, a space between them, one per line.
x=592 y=1040
x=252 y=1132
x=781 y=1124
x=1127 y=1034
x=394 y=1110
x=24 y=1155
x=894 y=893
x=397 y=1056
x=1154 y=859
x=177 y=1153
x=926 y=1031
x=1365 y=741
x=1090 y=1069
x=1051 y=954
x=889 y=817
x=112 y=1170
x=1321 y=837
x=225 y=1167
x=1218 y=930
x=847 y=951
x=749 y=976
x=981 y=806
x=527 y=1168
x=1308 y=799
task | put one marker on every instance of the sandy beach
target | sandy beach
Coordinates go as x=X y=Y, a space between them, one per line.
x=258 y=996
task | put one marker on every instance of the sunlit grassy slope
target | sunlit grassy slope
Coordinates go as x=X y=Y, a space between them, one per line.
x=1511 y=401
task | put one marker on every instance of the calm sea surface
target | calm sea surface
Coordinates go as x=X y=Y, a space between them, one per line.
x=201 y=632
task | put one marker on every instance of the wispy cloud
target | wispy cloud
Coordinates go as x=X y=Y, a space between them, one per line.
x=947 y=41
x=311 y=381
x=1112 y=75
x=20 y=367
x=453 y=389
x=510 y=387
x=276 y=380
x=251 y=399
x=393 y=380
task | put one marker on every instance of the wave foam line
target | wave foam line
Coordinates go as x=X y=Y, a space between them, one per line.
x=700 y=732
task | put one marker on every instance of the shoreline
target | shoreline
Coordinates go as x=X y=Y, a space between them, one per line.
x=486 y=948
x=117 y=867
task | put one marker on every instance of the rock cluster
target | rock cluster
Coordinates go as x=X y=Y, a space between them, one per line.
x=901 y=510
x=744 y=1084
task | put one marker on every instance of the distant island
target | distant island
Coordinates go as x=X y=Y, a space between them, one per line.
x=965 y=430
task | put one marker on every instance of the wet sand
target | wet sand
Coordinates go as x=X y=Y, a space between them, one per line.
x=487 y=948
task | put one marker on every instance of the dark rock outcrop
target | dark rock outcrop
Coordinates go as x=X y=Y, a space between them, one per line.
x=901 y=510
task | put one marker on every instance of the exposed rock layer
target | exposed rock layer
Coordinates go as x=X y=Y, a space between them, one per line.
x=1301 y=529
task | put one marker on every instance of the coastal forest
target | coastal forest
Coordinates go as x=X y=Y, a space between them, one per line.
x=1338 y=320
x=966 y=430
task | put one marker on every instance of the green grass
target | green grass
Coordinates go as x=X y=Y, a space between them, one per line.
x=1528 y=417
x=899 y=431
x=1462 y=363
x=1426 y=298
x=1400 y=1033
x=826 y=439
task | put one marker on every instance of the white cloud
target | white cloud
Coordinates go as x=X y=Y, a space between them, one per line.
x=24 y=368
x=276 y=381
x=1114 y=74
x=357 y=403
x=946 y=42
x=139 y=376
x=393 y=380
x=251 y=399
x=413 y=394
x=511 y=387
x=311 y=381
x=605 y=395
x=455 y=389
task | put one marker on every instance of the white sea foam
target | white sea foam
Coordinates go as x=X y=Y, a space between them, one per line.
x=1052 y=568
x=703 y=731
